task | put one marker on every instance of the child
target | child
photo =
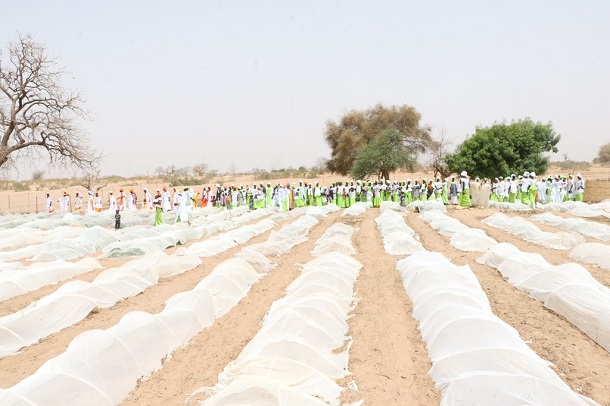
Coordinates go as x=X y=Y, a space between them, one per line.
x=117 y=219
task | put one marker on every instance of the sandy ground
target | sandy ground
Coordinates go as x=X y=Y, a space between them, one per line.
x=388 y=358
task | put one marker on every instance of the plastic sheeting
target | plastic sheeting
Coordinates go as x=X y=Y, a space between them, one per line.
x=422 y=206
x=505 y=206
x=17 y=282
x=74 y=300
x=578 y=225
x=101 y=367
x=592 y=253
x=290 y=235
x=296 y=356
x=398 y=238
x=530 y=232
x=337 y=238
x=356 y=209
x=476 y=357
x=568 y=289
x=463 y=237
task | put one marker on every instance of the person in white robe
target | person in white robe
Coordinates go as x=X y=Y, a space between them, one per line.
x=166 y=199
x=49 y=204
x=112 y=203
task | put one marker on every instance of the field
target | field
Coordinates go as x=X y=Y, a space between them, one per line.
x=388 y=359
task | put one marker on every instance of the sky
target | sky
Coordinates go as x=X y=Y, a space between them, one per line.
x=251 y=84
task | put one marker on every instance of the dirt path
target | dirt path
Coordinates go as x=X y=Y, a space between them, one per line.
x=581 y=362
x=388 y=358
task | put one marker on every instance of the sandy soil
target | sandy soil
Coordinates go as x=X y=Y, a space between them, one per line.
x=388 y=359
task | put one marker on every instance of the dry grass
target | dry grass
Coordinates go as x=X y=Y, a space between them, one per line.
x=597 y=190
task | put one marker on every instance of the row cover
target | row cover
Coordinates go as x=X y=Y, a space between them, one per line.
x=568 y=289
x=529 y=232
x=578 y=225
x=463 y=237
x=103 y=366
x=581 y=209
x=296 y=356
x=74 y=300
x=476 y=357
x=398 y=238
x=15 y=282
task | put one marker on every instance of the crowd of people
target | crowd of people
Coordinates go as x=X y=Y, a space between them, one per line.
x=527 y=189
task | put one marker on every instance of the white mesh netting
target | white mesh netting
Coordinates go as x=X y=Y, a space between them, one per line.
x=578 y=225
x=568 y=289
x=562 y=240
x=398 y=237
x=299 y=351
x=476 y=357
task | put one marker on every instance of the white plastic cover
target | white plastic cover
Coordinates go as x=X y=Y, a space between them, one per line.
x=355 y=209
x=476 y=357
x=578 y=225
x=568 y=289
x=592 y=253
x=74 y=300
x=463 y=237
x=296 y=356
x=101 y=367
x=529 y=232
x=398 y=238
x=17 y=282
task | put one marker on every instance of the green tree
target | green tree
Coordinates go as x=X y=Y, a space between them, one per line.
x=383 y=155
x=503 y=149
x=604 y=153
x=356 y=129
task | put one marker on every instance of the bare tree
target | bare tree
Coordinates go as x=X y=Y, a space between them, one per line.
x=37 y=114
x=91 y=181
x=438 y=151
x=200 y=169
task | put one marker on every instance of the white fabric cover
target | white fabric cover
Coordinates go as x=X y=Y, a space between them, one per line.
x=568 y=289
x=463 y=237
x=422 y=206
x=294 y=358
x=477 y=358
x=529 y=232
x=505 y=206
x=74 y=300
x=398 y=237
x=17 y=282
x=578 y=225
x=101 y=367
x=592 y=253
x=355 y=209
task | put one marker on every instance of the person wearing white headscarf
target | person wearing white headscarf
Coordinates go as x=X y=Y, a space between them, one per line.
x=464 y=199
x=580 y=188
x=112 y=204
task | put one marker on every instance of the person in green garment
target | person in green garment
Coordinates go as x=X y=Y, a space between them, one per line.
x=464 y=200
x=158 y=205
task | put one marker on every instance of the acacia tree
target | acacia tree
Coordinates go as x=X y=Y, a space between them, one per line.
x=356 y=129
x=37 y=115
x=438 y=156
x=504 y=149
x=604 y=153
x=383 y=155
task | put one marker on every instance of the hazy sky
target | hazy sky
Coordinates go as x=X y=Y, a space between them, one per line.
x=254 y=82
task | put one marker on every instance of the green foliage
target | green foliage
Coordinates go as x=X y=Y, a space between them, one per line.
x=572 y=166
x=383 y=155
x=604 y=154
x=503 y=149
x=20 y=186
x=356 y=129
